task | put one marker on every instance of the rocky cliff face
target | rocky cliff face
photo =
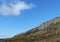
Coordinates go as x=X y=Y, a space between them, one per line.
x=47 y=32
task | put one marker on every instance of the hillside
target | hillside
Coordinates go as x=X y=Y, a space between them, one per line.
x=47 y=32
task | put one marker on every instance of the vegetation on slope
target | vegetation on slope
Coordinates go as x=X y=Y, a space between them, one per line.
x=47 y=32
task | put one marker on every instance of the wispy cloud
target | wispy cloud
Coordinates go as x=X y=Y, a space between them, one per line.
x=13 y=7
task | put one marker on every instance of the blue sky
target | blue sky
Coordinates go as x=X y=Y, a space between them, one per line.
x=28 y=14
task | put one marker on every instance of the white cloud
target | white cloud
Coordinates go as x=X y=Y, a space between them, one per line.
x=14 y=7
